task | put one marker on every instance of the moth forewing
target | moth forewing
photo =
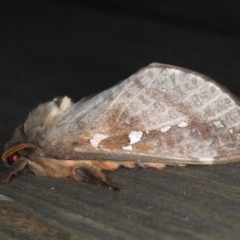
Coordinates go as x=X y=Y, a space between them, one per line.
x=161 y=115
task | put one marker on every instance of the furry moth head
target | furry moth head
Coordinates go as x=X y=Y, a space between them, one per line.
x=36 y=125
x=161 y=115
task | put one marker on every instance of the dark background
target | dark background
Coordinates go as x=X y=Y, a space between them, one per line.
x=77 y=48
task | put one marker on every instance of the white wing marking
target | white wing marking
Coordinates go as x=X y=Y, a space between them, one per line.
x=97 y=138
x=135 y=136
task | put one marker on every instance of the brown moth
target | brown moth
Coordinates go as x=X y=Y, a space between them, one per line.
x=161 y=115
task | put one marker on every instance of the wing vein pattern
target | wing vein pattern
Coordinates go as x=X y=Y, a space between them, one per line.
x=161 y=113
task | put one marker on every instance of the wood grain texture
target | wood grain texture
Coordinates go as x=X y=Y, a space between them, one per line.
x=56 y=53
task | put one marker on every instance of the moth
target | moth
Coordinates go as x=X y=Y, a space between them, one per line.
x=161 y=115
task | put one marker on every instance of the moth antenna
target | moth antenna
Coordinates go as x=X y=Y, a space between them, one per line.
x=93 y=176
x=14 y=170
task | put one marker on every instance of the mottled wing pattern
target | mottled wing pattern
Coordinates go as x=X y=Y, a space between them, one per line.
x=161 y=113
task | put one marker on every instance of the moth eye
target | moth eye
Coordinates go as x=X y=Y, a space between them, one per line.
x=13 y=158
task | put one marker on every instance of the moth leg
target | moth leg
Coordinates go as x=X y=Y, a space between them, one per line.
x=14 y=169
x=78 y=170
x=93 y=176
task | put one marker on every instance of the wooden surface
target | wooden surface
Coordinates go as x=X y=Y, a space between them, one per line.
x=51 y=49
